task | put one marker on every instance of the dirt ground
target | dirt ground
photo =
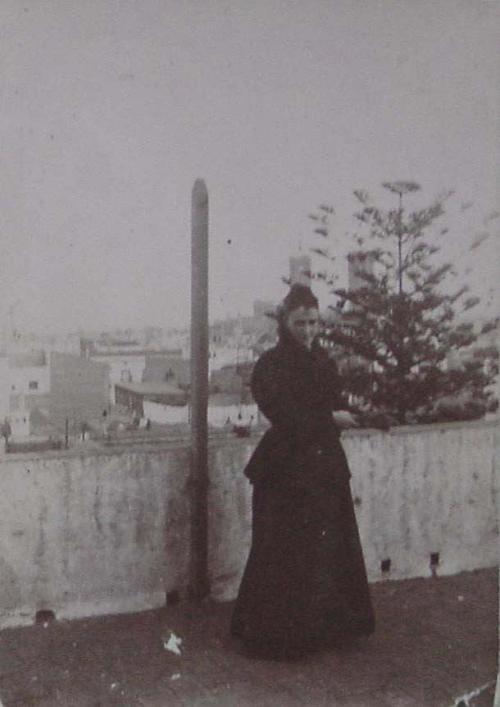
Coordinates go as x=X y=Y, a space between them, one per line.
x=435 y=643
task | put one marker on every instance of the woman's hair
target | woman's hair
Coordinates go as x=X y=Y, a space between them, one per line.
x=299 y=296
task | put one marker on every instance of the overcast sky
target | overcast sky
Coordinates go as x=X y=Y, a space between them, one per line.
x=111 y=109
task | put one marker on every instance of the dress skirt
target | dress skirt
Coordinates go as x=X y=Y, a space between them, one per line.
x=305 y=583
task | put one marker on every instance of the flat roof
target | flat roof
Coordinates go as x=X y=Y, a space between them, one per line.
x=151 y=388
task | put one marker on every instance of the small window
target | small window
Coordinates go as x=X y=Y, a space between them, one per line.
x=33 y=385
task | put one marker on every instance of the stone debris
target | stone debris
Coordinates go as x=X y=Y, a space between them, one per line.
x=173 y=643
x=175 y=676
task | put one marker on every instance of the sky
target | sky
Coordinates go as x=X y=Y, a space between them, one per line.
x=111 y=109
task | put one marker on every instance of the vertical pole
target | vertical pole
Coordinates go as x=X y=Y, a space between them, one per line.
x=199 y=586
x=496 y=463
x=400 y=365
x=400 y=244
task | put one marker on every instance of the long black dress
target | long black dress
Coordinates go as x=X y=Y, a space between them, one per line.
x=305 y=581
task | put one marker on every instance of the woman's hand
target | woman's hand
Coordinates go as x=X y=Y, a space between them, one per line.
x=344 y=419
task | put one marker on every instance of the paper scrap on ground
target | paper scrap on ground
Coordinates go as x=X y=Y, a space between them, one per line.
x=173 y=643
x=175 y=676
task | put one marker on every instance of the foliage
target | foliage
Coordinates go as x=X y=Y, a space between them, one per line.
x=394 y=332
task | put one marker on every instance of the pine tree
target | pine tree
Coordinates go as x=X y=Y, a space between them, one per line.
x=396 y=329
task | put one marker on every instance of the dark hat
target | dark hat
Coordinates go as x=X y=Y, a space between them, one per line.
x=299 y=296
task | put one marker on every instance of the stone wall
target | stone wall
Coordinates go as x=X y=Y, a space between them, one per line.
x=421 y=491
x=108 y=531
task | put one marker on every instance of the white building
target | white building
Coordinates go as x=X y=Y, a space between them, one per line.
x=22 y=385
x=166 y=414
x=230 y=354
x=217 y=415
x=300 y=269
x=124 y=367
x=19 y=421
x=29 y=380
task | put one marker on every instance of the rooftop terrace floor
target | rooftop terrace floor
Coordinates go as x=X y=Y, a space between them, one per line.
x=436 y=641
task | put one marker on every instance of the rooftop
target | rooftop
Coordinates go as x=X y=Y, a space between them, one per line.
x=152 y=388
x=435 y=646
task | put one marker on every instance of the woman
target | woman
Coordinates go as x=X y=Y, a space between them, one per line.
x=305 y=582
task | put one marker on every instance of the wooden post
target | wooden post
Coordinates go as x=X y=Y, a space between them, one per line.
x=199 y=584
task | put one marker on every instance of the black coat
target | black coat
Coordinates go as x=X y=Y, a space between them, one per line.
x=305 y=580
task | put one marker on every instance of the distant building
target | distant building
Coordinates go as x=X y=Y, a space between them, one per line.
x=232 y=380
x=127 y=359
x=166 y=414
x=24 y=386
x=19 y=421
x=345 y=317
x=240 y=340
x=29 y=381
x=224 y=410
x=300 y=270
x=133 y=395
x=231 y=354
x=172 y=369
x=79 y=390
x=262 y=308
x=125 y=366
x=264 y=342
x=359 y=264
x=228 y=410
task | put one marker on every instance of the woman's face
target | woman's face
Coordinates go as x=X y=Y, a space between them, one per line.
x=303 y=325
